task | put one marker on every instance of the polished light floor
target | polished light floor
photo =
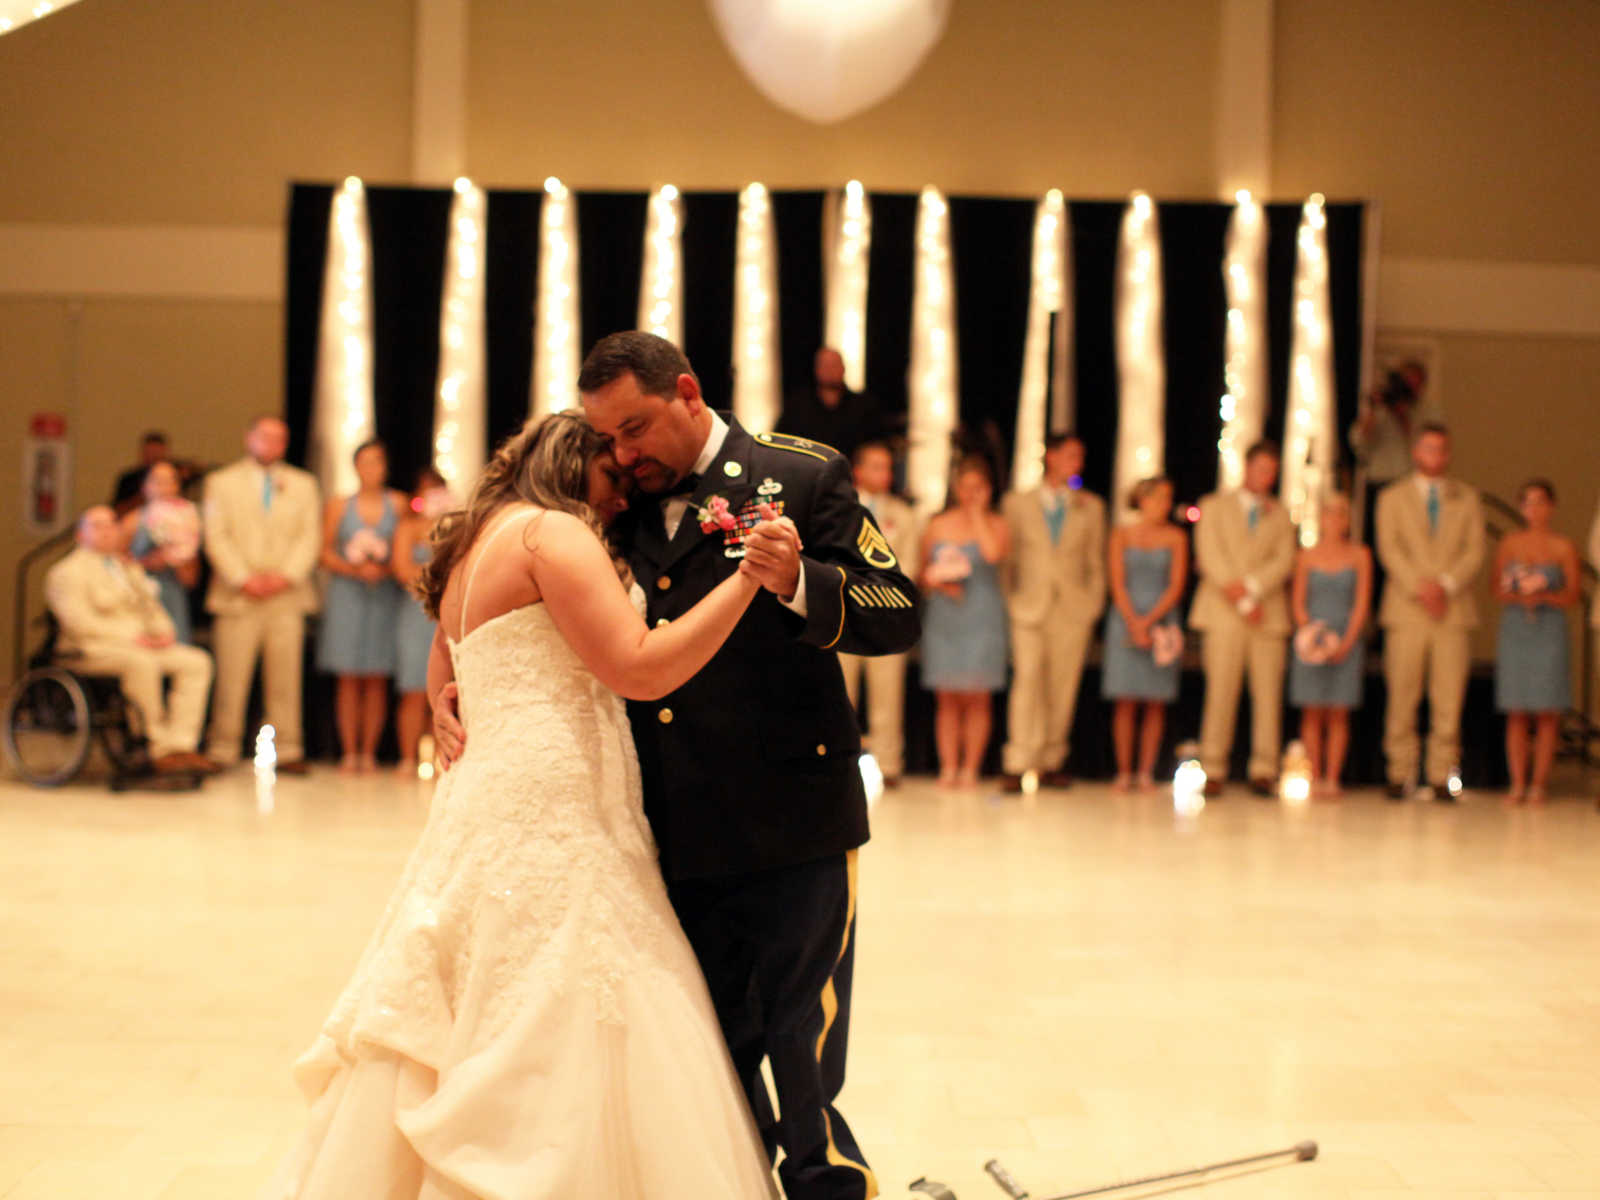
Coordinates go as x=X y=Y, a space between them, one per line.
x=1081 y=984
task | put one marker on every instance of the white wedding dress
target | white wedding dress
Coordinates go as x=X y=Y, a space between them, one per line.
x=528 y=1020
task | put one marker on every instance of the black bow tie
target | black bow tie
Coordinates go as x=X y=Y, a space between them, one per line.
x=684 y=487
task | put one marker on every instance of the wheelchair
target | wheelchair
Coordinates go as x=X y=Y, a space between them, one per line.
x=55 y=716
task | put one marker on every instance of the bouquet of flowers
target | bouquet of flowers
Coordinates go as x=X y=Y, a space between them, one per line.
x=1316 y=644
x=949 y=565
x=1520 y=580
x=434 y=502
x=366 y=546
x=174 y=526
x=1166 y=644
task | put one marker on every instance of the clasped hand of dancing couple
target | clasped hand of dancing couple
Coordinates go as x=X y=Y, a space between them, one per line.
x=637 y=878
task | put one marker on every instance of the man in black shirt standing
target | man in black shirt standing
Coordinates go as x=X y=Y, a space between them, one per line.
x=827 y=411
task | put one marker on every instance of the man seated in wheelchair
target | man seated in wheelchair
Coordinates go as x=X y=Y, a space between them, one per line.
x=112 y=623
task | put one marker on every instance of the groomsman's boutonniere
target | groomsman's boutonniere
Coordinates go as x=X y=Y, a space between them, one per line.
x=715 y=514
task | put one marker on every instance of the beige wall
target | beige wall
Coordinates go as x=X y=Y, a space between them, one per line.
x=1473 y=122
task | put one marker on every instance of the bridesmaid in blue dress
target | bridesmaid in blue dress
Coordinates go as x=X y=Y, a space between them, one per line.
x=361 y=606
x=1148 y=566
x=164 y=538
x=964 y=634
x=415 y=629
x=1536 y=581
x=1332 y=597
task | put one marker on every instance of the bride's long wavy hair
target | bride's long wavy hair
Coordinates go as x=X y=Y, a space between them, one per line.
x=545 y=464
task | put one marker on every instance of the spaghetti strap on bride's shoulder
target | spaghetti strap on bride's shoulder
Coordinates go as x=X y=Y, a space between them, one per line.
x=482 y=549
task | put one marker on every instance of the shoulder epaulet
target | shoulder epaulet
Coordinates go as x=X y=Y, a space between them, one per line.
x=797 y=445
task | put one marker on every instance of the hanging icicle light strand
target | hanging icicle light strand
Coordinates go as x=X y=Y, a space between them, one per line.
x=1243 y=403
x=556 y=328
x=845 y=323
x=1141 y=361
x=459 y=423
x=933 y=370
x=342 y=415
x=755 y=314
x=1309 y=450
x=661 y=288
x=1045 y=300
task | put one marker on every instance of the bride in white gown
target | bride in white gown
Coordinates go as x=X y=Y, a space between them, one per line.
x=528 y=1020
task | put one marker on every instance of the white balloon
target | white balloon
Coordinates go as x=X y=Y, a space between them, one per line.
x=826 y=60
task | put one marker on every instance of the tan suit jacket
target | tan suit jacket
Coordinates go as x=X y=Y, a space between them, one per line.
x=1594 y=561
x=243 y=536
x=1041 y=577
x=103 y=608
x=1226 y=550
x=1412 y=554
x=898 y=522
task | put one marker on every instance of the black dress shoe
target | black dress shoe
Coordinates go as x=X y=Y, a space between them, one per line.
x=1396 y=792
x=1264 y=789
x=1212 y=790
x=1055 y=779
x=1011 y=784
x=294 y=766
x=1442 y=793
x=891 y=781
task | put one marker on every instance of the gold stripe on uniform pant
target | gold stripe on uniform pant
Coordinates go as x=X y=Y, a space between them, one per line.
x=830 y=1010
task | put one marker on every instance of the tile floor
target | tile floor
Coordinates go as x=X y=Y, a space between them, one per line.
x=1077 y=983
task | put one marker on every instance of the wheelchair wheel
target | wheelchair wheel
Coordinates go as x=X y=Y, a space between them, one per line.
x=48 y=727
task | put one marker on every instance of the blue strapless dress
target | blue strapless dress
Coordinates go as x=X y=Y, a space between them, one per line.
x=1532 y=661
x=1330 y=598
x=1127 y=672
x=965 y=642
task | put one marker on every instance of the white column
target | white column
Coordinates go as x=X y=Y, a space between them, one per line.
x=341 y=403
x=661 y=280
x=756 y=377
x=459 y=420
x=1046 y=299
x=1244 y=370
x=1141 y=357
x=556 y=329
x=1310 y=438
x=849 y=235
x=932 y=375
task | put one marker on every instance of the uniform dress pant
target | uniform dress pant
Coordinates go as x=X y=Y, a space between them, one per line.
x=778 y=950
x=1226 y=652
x=1441 y=655
x=171 y=722
x=273 y=631
x=886 y=701
x=1046 y=669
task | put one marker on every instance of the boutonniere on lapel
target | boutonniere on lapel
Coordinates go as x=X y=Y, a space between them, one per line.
x=716 y=513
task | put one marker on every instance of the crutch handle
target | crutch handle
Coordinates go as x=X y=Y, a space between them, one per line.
x=1003 y=1177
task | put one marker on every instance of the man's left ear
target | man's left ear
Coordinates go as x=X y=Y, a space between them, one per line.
x=689 y=392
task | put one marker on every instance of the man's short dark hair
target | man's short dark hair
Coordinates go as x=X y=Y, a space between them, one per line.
x=861 y=450
x=153 y=437
x=1054 y=440
x=1264 y=446
x=655 y=362
x=1427 y=427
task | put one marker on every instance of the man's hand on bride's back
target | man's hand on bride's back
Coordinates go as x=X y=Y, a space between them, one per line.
x=449 y=735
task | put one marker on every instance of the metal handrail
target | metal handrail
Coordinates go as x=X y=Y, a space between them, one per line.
x=19 y=612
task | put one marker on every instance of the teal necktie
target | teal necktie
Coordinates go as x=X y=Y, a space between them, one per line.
x=1055 y=516
x=1255 y=515
x=266 y=490
x=1433 y=508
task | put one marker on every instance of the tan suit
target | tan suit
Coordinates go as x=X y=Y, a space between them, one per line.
x=886 y=673
x=244 y=535
x=1415 y=645
x=104 y=605
x=1227 y=549
x=1055 y=591
x=1594 y=561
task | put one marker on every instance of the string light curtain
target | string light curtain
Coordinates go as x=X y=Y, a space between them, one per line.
x=459 y=419
x=845 y=307
x=1046 y=299
x=341 y=405
x=1141 y=361
x=1308 y=458
x=932 y=382
x=1244 y=402
x=16 y=13
x=756 y=383
x=555 y=327
x=661 y=286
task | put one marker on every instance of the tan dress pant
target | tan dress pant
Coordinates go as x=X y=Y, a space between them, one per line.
x=1441 y=655
x=886 y=696
x=171 y=722
x=272 y=631
x=1046 y=668
x=1226 y=653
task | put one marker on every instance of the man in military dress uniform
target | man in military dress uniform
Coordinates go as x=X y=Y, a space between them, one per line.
x=751 y=780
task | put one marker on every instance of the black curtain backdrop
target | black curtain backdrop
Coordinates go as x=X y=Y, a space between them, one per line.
x=510 y=291
x=991 y=247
